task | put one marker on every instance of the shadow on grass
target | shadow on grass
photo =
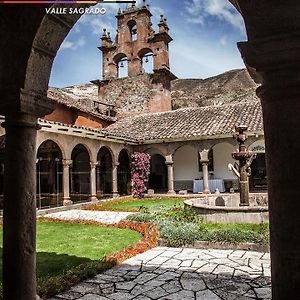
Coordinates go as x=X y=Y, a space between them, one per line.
x=51 y=264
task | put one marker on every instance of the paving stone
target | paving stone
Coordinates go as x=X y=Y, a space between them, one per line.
x=69 y=296
x=207 y=295
x=181 y=295
x=263 y=293
x=192 y=282
x=121 y=296
x=127 y=285
x=85 y=288
x=93 y=297
x=172 y=287
x=156 y=293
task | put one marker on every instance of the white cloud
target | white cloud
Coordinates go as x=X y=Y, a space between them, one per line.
x=223 y=40
x=196 y=11
x=73 y=45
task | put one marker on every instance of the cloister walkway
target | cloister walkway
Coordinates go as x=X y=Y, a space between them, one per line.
x=180 y=273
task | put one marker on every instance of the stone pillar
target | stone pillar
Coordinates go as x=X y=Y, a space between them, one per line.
x=170 y=166
x=93 y=187
x=204 y=162
x=19 y=213
x=278 y=62
x=98 y=181
x=115 y=180
x=66 y=182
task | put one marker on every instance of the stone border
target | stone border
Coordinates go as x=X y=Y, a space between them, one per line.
x=222 y=246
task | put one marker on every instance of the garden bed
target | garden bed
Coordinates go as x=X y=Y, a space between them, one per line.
x=71 y=251
x=180 y=227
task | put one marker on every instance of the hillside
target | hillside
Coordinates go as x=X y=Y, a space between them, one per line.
x=232 y=86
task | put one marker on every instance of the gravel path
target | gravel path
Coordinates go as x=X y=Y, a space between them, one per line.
x=107 y=217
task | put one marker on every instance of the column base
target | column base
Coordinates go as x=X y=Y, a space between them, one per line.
x=244 y=204
x=171 y=193
x=206 y=192
x=93 y=199
x=115 y=195
x=67 y=202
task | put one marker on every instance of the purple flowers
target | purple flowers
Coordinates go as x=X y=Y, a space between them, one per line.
x=140 y=170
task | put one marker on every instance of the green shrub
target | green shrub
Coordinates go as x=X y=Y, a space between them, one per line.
x=232 y=235
x=141 y=217
x=178 y=234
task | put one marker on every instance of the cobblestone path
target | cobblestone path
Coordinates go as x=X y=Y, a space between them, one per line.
x=181 y=274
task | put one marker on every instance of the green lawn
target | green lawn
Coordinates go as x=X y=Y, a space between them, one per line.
x=134 y=204
x=61 y=246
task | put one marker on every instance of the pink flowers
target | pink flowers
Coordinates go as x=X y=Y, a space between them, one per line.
x=140 y=169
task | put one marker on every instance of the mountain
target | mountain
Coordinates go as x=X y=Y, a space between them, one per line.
x=232 y=86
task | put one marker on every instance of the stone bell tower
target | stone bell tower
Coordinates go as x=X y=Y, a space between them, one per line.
x=136 y=42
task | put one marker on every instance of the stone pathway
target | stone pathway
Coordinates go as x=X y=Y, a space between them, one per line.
x=181 y=274
x=106 y=217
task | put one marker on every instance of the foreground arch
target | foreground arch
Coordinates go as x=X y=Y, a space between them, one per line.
x=26 y=56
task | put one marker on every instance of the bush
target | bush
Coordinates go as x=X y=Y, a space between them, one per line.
x=141 y=217
x=178 y=234
x=232 y=235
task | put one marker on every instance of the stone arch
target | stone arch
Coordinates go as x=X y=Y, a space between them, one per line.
x=147 y=60
x=104 y=171
x=221 y=158
x=121 y=61
x=124 y=172
x=132 y=26
x=258 y=179
x=186 y=167
x=49 y=174
x=56 y=141
x=80 y=173
x=158 y=178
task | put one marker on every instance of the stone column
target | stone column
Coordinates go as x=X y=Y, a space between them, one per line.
x=170 y=166
x=66 y=182
x=115 y=180
x=19 y=213
x=93 y=188
x=278 y=62
x=98 y=181
x=204 y=162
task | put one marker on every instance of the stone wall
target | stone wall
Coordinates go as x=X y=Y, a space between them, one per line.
x=130 y=95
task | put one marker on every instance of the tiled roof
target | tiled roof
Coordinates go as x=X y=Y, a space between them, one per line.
x=189 y=122
x=79 y=97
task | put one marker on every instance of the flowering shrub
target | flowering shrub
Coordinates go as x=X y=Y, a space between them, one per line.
x=140 y=170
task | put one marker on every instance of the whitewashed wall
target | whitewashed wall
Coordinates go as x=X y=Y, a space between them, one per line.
x=186 y=165
x=222 y=157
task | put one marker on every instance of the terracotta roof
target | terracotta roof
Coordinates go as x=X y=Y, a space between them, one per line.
x=189 y=122
x=79 y=97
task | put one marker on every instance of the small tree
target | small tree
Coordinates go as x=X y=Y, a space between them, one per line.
x=140 y=170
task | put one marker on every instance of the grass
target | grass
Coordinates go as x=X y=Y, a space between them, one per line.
x=134 y=204
x=62 y=246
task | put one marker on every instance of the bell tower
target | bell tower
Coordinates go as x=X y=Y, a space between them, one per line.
x=136 y=42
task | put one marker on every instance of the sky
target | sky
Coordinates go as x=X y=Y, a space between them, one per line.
x=205 y=34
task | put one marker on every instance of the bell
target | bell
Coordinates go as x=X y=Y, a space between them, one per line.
x=147 y=60
x=121 y=64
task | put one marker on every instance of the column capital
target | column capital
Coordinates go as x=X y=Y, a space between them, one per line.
x=94 y=164
x=204 y=162
x=67 y=162
x=275 y=63
x=204 y=155
x=29 y=102
x=169 y=163
x=116 y=164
